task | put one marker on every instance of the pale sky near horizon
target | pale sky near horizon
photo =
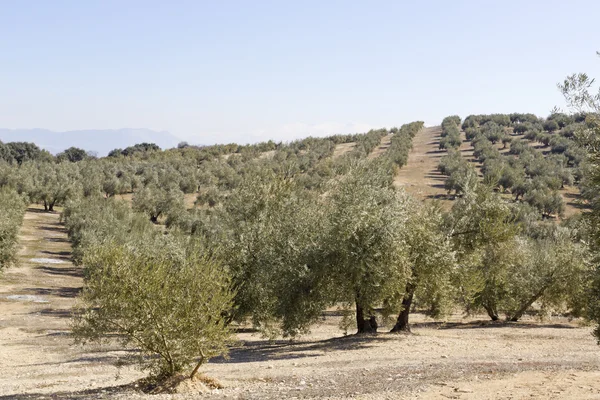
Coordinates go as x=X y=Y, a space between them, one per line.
x=247 y=71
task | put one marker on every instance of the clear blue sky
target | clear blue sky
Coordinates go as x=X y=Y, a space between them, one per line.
x=220 y=71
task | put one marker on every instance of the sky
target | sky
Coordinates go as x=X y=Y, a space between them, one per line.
x=247 y=71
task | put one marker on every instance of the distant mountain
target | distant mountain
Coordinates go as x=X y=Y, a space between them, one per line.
x=100 y=141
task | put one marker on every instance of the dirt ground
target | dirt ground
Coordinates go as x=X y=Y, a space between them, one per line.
x=456 y=359
x=420 y=176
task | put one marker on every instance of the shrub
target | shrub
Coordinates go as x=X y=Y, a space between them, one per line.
x=550 y=126
x=167 y=298
x=11 y=217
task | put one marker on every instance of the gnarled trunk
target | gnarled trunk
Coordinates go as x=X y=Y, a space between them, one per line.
x=364 y=325
x=492 y=312
x=519 y=313
x=402 y=324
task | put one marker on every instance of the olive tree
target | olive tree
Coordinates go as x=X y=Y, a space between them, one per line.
x=552 y=271
x=368 y=257
x=11 y=217
x=431 y=261
x=274 y=248
x=155 y=201
x=165 y=298
x=483 y=232
x=55 y=183
x=582 y=97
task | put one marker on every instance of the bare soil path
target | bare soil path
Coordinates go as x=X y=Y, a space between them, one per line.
x=420 y=176
x=36 y=300
x=384 y=144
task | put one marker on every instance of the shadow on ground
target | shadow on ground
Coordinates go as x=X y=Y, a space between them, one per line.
x=264 y=350
x=68 y=292
x=79 y=395
x=40 y=211
x=489 y=324
x=65 y=271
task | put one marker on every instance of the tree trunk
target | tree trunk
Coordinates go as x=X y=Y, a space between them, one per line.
x=364 y=325
x=51 y=207
x=402 y=324
x=519 y=313
x=491 y=312
x=195 y=371
x=45 y=206
x=360 y=319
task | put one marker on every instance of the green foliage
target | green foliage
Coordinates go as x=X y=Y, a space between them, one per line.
x=368 y=260
x=432 y=263
x=21 y=152
x=135 y=150
x=166 y=297
x=550 y=125
x=582 y=98
x=155 y=201
x=273 y=247
x=72 y=154
x=552 y=271
x=483 y=230
x=54 y=184
x=11 y=217
x=450 y=133
x=96 y=221
x=401 y=143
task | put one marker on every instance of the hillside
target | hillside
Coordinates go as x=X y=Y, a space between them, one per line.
x=422 y=178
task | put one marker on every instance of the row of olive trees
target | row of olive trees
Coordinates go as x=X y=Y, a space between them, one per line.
x=281 y=255
x=450 y=136
x=11 y=218
x=528 y=174
x=182 y=171
x=127 y=260
x=165 y=295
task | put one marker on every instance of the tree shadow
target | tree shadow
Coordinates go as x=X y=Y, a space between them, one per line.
x=75 y=272
x=52 y=312
x=488 y=324
x=56 y=239
x=65 y=254
x=435 y=176
x=441 y=196
x=264 y=350
x=435 y=151
x=53 y=228
x=40 y=211
x=103 y=392
x=68 y=292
